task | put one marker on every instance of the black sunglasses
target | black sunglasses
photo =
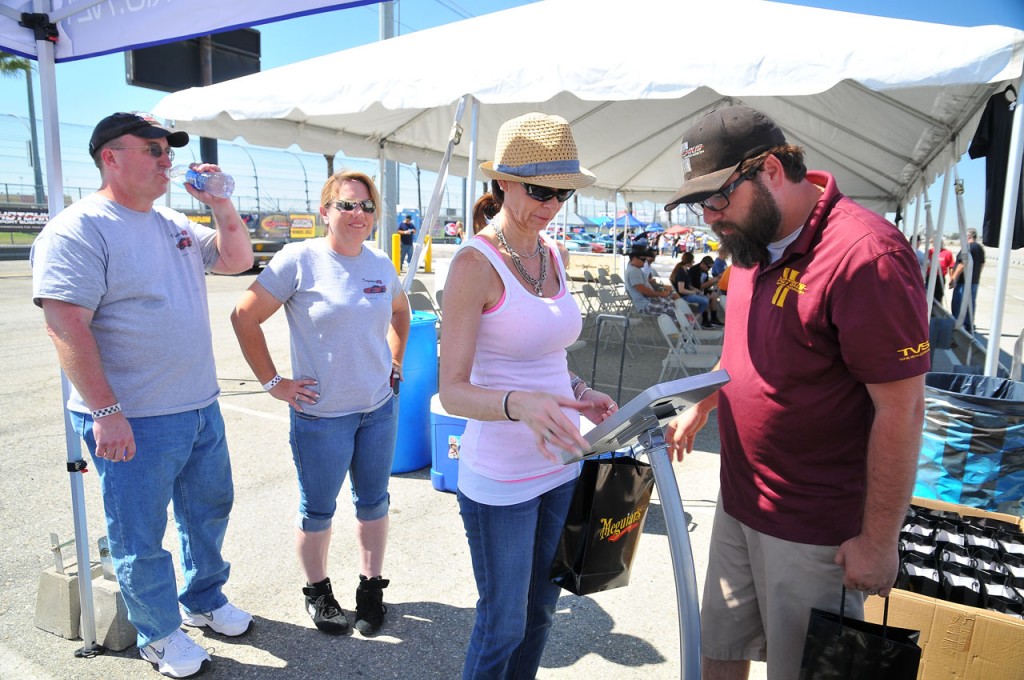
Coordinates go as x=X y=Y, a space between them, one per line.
x=155 y=150
x=719 y=201
x=539 y=193
x=368 y=206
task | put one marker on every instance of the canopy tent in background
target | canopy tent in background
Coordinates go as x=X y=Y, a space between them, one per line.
x=886 y=105
x=677 y=230
x=877 y=103
x=627 y=220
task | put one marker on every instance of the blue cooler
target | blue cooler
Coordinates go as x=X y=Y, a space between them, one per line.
x=444 y=446
x=419 y=373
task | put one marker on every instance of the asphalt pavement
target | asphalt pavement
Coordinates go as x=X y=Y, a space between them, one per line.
x=631 y=632
x=627 y=633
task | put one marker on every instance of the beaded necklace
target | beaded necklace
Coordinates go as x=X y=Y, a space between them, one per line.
x=517 y=261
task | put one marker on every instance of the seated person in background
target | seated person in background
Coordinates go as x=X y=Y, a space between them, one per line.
x=701 y=280
x=720 y=263
x=680 y=281
x=647 y=296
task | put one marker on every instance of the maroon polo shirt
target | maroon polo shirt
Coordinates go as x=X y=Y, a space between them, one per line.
x=843 y=307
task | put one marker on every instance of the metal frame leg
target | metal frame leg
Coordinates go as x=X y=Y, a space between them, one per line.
x=687 y=601
x=601 y=318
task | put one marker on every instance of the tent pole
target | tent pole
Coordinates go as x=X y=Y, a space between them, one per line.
x=1006 y=237
x=73 y=444
x=471 y=194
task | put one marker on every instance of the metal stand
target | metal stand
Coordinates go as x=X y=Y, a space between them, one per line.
x=639 y=423
x=653 y=444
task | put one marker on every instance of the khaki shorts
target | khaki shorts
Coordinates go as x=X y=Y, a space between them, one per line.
x=759 y=593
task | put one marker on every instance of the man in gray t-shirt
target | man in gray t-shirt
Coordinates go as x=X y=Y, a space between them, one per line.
x=123 y=292
x=647 y=299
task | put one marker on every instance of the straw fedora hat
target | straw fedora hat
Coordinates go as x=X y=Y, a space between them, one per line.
x=538 y=149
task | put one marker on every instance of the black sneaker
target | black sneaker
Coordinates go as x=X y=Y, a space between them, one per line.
x=370 y=607
x=324 y=609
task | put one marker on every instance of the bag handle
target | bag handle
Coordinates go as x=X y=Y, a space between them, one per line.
x=885 y=613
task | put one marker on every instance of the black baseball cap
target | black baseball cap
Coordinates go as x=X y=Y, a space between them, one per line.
x=135 y=123
x=714 y=148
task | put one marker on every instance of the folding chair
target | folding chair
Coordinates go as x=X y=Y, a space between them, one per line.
x=677 y=358
x=688 y=322
x=421 y=302
x=612 y=303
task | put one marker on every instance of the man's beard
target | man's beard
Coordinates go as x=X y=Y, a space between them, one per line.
x=748 y=245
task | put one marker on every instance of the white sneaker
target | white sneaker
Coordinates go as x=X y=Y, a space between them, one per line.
x=227 y=620
x=176 y=655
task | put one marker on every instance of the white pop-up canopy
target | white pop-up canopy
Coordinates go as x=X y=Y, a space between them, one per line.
x=884 y=104
x=874 y=100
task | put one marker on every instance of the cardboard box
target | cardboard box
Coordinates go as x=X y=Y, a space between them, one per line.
x=957 y=642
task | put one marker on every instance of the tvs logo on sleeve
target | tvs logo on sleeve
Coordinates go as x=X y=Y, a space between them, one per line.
x=786 y=283
x=908 y=353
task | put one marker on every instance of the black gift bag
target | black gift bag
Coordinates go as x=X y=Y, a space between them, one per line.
x=841 y=648
x=603 y=526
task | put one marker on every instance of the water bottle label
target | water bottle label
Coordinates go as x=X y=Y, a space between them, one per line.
x=196 y=179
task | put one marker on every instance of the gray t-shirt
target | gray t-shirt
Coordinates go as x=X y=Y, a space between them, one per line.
x=635 y=276
x=339 y=312
x=142 y=274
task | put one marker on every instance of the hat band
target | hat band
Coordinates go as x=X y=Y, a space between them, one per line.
x=542 y=168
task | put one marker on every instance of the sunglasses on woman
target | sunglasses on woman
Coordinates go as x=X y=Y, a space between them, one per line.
x=368 y=205
x=539 y=193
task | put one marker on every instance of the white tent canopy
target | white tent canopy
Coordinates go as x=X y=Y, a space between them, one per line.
x=876 y=102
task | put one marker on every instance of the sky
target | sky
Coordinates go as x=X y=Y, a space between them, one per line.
x=89 y=89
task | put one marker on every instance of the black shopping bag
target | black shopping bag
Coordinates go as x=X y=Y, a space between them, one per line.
x=840 y=648
x=603 y=526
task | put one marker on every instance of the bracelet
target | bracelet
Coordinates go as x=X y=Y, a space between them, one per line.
x=574 y=383
x=580 y=398
x=267 y=386
x=504 y=407
x=107 y=411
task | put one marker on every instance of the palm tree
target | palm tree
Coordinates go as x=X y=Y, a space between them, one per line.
x=13 y=66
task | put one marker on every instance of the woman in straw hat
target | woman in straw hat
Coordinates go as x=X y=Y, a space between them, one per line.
x=508 y=315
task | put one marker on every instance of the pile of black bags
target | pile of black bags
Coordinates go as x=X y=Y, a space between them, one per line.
x=973 y=561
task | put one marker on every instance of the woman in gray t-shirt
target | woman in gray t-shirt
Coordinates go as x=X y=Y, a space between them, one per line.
x=348 y=318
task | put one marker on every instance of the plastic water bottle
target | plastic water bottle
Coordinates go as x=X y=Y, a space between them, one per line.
x=217 y=183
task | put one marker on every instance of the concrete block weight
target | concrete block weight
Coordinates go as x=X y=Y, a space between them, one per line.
x=59 y=608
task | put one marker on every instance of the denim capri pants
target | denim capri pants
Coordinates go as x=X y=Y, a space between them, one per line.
x=325 y=450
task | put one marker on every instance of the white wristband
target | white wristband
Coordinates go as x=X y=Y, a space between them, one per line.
x=106 y=411
x=267 y=386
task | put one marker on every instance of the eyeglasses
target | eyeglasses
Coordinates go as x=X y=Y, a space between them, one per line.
x=720 y=201
x=368 y=206
x=155 y=150
x=539 y=193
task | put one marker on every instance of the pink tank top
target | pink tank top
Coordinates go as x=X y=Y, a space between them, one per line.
x=520 y=346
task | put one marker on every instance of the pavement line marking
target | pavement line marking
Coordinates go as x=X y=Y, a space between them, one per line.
x=254 y=412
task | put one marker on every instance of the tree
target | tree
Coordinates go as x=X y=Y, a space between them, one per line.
x=13 y=66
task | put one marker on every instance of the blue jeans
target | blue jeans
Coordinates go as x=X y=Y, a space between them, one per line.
x=182 y=459
x=700 y=300
x=405 y=254
x=958 y=297
x=512 y=548
x=326 y=449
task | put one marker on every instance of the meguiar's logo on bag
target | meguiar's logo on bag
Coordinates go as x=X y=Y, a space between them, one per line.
x=614 y=529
